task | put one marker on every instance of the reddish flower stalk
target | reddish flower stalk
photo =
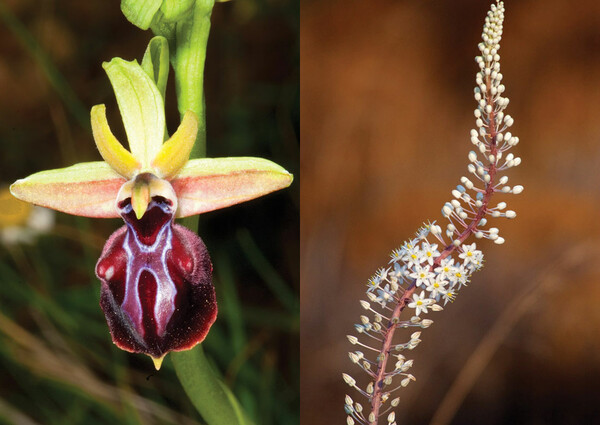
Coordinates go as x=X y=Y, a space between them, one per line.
x=418 y=264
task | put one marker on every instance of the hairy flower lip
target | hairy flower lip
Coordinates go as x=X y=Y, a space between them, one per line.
x=157 y=293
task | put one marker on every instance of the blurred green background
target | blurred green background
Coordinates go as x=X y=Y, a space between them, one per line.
x=387 y=106
x=57 y=362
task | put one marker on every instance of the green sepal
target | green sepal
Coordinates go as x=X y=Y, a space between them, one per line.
x=140 y=12
x=175 y=10
x=141 y=106
x=156 y=62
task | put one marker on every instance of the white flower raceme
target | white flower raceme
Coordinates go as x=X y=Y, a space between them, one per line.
x=420 y=275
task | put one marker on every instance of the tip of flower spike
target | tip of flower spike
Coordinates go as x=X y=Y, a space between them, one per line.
x=158 y=361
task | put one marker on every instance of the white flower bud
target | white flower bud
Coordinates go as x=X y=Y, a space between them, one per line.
x=348 y=379
x=425 y=323
x=517 y=189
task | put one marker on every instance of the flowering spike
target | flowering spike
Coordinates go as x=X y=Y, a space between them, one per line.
x=119 y=158
x=420 y=276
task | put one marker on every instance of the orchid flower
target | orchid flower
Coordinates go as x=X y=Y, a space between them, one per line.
x=157 y=292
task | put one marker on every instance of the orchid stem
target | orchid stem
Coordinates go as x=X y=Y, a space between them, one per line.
x=211 y=397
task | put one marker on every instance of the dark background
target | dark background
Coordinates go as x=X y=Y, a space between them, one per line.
x=387 y=107
x=55 y=349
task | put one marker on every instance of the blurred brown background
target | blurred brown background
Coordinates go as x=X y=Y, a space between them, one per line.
x=386 y=90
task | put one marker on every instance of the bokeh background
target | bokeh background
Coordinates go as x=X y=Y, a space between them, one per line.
x=386 y=110
x=57 y=362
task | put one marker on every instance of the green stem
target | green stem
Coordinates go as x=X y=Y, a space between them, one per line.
x=191 y=38
x=188 y=40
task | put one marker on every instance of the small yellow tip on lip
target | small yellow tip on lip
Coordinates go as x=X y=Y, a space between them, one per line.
x=158 y=361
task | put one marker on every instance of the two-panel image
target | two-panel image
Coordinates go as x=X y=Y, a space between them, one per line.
x=285 y=212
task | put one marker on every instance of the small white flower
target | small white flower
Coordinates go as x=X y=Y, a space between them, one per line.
x=384 y=296
x=420 y=303
x=429 y=252
x=436 y=287
x=450 y=295
x=400 y=270
x=423 y=275
x=413 y=256
x=459 y=276
x=446 y=268
x=468 y=253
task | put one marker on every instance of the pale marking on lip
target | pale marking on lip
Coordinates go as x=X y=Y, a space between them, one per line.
x=152 y=258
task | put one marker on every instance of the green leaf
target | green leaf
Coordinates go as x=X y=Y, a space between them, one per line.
x=141 y=106
x=207 y=392
x=156 y=62
x=140 y=12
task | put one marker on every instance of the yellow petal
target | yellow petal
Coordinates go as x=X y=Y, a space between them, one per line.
x=208 y=184
x=119 y=158
x=88 y=189
x=175 y=152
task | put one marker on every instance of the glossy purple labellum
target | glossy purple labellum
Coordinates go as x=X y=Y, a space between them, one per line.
x=157 y=292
